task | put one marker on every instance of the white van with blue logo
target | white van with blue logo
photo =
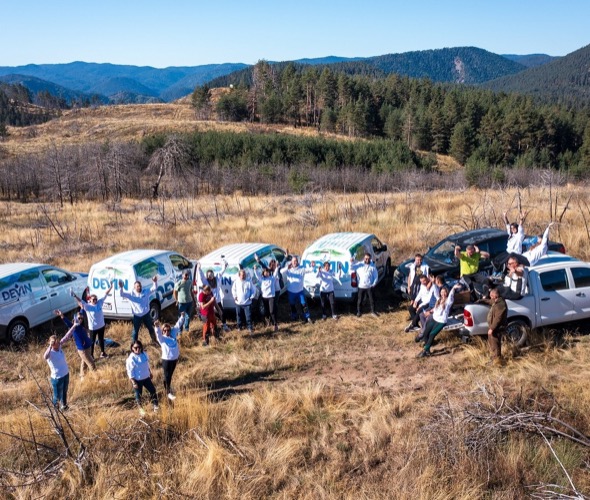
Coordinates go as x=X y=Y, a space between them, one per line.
x=29 y=293
x=338 y=248
x=142 y=266
x=240 y=255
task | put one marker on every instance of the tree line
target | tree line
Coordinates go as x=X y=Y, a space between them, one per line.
x=163 y=166
x=479 y=128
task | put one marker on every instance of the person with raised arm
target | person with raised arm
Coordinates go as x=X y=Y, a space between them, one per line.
x=326 y=278
x=268 y=292
x=540 y=248
x=185 y=299
x=95 y=317
x=60 y=373
x=294 y=274
x=515 y=232
x=243 y=292
x=140 y=307
x=81 y=339
x=168 y=338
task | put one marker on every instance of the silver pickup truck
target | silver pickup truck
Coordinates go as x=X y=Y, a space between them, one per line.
x=558 y=291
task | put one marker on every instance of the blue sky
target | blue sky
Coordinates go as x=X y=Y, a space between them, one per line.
x=189 y=33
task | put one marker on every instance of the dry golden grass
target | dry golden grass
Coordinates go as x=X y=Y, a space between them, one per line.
x=329 y=410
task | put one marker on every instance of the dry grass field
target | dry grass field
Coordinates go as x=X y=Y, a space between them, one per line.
x=329 y=410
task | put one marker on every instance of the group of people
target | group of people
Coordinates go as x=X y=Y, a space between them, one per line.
x=431 y=301
x=209 y=301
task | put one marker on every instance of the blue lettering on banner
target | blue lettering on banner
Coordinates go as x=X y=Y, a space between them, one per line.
x=344 y=265
x=17 y=292
x=226 y=280
x=104 y=284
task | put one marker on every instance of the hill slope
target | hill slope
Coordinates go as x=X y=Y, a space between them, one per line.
x=565 y=80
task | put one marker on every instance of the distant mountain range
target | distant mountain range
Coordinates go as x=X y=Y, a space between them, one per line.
x=81 y=82
x=565 y=80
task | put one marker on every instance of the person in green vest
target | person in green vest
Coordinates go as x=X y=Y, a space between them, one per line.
x=469 y=267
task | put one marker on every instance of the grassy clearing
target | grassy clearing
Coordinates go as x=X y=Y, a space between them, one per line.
x=330 y=410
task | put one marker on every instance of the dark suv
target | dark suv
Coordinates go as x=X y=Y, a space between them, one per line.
x=441 y=257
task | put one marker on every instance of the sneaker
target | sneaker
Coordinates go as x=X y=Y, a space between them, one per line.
x=250 y=332
x=104 y=355
x=418 y=338
x=142 y=412
x=225 y=327
x=324 y=316
x=408 y=328
x=171 y=396
x=309 y=320
x=358 y=314
x=205 y=343
x=415 y=329
x=276 y=328
x=65 y=408
x=156 y=408
x=424 y=354
x=374 y=314
x=334 y=317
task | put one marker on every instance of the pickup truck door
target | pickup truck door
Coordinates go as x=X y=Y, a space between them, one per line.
x=379 y=255
x=556 y=298
x=581 y=281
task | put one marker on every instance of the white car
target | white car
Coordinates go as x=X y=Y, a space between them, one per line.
x=142 y=266
x=558 y=291
x=29 y=293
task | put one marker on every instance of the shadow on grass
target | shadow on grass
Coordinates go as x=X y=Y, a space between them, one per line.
x=220 y=390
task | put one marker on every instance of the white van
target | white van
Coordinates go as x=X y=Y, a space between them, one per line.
x=338 y=248
x=142 y=266
x=240 y=255
x=29 y=293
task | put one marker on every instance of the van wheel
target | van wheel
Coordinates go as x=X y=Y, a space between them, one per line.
x=517 y=332
x=155 y=310
x=17 y=331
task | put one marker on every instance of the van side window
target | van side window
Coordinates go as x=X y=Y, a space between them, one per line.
x=554 y=280
x=581 y=276
x=55 y=277
x=179 y=263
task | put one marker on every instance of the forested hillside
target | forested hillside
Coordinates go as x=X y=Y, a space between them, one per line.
x=564 y=81
x=477 y=127
x=17 y=109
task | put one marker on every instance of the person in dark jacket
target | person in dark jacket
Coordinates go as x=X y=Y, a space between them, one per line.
x=497 y=321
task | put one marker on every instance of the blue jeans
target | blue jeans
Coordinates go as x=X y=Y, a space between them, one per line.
x=149 y=385
x=187 y=308
x=60 y=390
x=247 y=310
x=297 y=299
x=146 y=320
